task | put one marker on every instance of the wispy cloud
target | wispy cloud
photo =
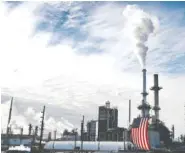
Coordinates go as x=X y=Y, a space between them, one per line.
x=90 y=61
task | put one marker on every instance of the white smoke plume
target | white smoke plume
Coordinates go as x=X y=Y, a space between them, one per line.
x=139 y=26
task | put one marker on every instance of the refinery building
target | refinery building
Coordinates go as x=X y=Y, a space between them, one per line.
x=108 y=129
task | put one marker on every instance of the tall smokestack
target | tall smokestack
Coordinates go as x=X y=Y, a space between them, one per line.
x=144 y=107
x=156 y=89
x=144 y=86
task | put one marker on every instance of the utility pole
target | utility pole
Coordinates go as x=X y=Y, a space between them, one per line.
x=82 y=132
x=75 y=138
x=29 y=129
x=8 y=124
x=129 y=116
x=21 y=133
x=42 y=129
x=129 y=125
x=10 y=115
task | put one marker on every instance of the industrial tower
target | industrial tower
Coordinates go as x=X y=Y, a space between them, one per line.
x=144 y=107
x=156 y=89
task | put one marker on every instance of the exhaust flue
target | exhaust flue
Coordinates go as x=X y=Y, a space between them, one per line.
x=156 y=89
x=144 y=107
x=144 y=86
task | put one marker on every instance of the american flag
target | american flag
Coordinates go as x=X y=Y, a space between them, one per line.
x=139 y=133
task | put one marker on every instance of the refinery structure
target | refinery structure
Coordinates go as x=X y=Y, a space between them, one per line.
x=99 y=133
x=103 y=133
x=104 y=130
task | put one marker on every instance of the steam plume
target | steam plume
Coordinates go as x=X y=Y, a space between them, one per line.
x=138 y=26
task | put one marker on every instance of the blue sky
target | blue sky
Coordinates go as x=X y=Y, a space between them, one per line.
x=55 y=21
x=75 y=56
x=60 y=31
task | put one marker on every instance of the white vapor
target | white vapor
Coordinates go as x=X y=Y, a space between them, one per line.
x=139 y=25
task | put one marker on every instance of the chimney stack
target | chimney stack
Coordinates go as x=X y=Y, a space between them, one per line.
x=156 y=89
x=144 y=107
x=144 y=86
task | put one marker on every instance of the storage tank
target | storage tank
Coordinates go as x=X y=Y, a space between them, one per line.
x=87 y=145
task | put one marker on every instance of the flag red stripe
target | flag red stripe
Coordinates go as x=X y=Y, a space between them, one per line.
x=140 y=135
x=145 y=134
x=147 y=137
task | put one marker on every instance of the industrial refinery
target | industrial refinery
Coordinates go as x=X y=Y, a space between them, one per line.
x=70 y=73
x=102 y=134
